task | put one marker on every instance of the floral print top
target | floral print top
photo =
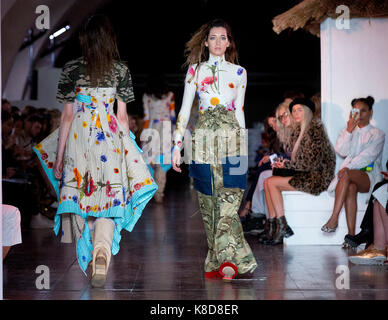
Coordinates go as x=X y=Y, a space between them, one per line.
x=215 y=82
x=156 y=110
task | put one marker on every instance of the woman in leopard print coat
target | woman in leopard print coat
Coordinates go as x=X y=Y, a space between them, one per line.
x=310 y=169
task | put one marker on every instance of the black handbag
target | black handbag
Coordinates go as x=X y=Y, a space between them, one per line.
x=282 y=172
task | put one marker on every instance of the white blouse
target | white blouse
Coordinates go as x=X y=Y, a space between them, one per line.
x=216 y=82
x=361 y=148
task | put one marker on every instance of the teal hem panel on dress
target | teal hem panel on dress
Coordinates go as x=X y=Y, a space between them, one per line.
x=140 y=199
x=49 y=172
x=152 y=171
x=122 y=220
x=164 y=167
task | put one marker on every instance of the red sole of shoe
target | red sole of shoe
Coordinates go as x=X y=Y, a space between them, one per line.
x=212 y=275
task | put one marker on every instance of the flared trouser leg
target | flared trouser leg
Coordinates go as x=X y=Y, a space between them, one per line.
x=225 y=237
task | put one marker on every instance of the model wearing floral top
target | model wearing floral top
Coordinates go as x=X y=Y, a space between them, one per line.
x=159 y=117
x=220 y=87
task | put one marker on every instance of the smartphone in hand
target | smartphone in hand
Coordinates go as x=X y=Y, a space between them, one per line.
x=355 y=113
x=273 y=158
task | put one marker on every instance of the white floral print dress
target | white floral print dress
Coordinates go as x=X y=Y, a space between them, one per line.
x=104 y=174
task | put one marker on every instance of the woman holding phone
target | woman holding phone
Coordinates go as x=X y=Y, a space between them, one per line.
x=361 y=144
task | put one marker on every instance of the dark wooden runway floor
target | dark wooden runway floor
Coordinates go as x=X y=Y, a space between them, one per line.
x=163 y=259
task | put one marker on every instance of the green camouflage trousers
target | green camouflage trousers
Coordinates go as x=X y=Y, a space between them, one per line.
x=225 y=237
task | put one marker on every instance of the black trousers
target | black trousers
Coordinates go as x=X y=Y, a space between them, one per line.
x=251 y=191
x=367 y=221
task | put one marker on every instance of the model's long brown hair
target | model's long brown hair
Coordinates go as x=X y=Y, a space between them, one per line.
x=196 y=51
x=99 y=48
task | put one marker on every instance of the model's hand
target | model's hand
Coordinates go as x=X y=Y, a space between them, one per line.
x=176 y=160
x=264 y=159
x=58 y=168
x=352 y=122
x=385 y=174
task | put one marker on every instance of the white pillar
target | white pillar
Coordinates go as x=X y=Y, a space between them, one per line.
x=354 y=64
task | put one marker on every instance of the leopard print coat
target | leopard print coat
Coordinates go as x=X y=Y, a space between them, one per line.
x=314 y=160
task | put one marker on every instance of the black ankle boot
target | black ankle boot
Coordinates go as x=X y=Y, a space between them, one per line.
x=289 y=232
x=364 y=236
x=263 y=236
x=283 y=230
x=266 y=238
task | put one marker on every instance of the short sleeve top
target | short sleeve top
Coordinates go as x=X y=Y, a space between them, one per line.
x=74 y=75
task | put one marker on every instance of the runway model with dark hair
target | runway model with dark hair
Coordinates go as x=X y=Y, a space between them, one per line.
x=219 y=157
x=103 y=177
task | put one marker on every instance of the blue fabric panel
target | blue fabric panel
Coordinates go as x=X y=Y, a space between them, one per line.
x=234 y=171
x=202 y=176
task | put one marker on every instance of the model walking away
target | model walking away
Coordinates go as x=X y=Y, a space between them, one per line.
x=104 y=182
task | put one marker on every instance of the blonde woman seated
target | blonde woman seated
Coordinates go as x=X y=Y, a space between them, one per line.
x=361 y=144
x=284 y=122
x=310 y=169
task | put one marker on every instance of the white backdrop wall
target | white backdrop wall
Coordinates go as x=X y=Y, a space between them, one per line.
x=354 y=64
x=47 y=89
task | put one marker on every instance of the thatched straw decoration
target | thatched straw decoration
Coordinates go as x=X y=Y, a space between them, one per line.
x=309 y=14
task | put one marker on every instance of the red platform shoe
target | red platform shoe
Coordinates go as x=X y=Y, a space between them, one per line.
x=212 y=275
x=228 y=271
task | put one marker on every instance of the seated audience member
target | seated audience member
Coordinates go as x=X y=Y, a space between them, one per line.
x=290 y=95
x=366 y=233
x=15 y=111
x=6 y=106
x=29 y=111
x=310 y=169
x=11 y=229
x=39 y=187
x=32 y=134
x=55 y=119
x=254 y=212
x=254 y=222
x=377 y=252
x=27 y=179
x=316 y=98
x=7 y=146
x=284 y=123
x=361 y=145
x=20 y=138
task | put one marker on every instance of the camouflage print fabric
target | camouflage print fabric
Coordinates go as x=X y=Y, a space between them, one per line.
x=74 y=75
x=217 y=135
x=225 y=237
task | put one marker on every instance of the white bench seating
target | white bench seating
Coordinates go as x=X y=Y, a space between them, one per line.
x=306 y=214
